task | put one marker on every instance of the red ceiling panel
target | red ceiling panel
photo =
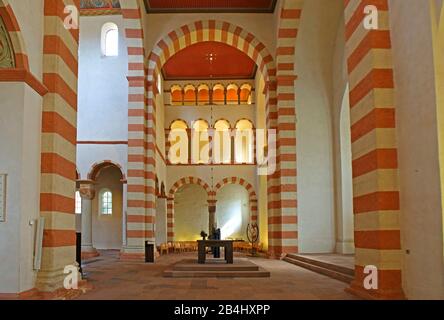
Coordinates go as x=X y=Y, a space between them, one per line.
x=209 y=60
x=164 y=6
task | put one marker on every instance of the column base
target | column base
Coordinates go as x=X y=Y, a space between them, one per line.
x=132 y=254
x=345 y=247
x=380 y=294
x=136 y=254
x=50 y=281
x=58 y=294
x=89 y=252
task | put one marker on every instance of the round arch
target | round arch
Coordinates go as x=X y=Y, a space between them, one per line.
x=17 y=41
x=212 y=30
x=178 y=121
x=188 y=180
x=98 y=166
x=170 y=200
x=248 y=186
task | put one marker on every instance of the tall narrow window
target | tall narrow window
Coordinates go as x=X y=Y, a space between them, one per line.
x=176 y=95
x=244 y=142
x=159 y=83
x=178 y=138
x=190 y=97
x=232 y=94
x=222 y=142
x=218 y=94
x=78 y=203
x=245 y=94
x=106 y=203
x=110 y=40
x=200 y=143
x=203 y=94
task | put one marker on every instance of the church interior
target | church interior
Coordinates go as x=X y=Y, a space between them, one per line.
x=213 y=149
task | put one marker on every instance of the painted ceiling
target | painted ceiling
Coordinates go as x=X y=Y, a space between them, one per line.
x=180 y=6
x=99 y=4
x=209 y=60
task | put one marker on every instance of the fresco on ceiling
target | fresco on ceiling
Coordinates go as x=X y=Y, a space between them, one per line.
x=99 y=4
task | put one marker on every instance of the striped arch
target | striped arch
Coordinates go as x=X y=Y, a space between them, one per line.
x=141 y=194
x=250 y=189
x=13 y=28
x=374 y=151
x=170 y=200
x=98 y=166
x=210 y=30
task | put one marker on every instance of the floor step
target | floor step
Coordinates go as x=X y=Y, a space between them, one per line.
x=204 y=267
x=324 y=264
x=216 y=274
x=344 y=277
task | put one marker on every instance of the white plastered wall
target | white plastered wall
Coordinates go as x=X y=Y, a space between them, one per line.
x=103 y=96
x=233 y=212
x=420 y=192
x=314 y=91
x=342 y=146
x=20 y=127
x=190 y=213
x=107 y=229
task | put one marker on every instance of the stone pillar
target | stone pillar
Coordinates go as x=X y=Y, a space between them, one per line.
x=124 y=211
x=233 y=146
x=170 y=219
x=212 y=215
x=161 y=220
x=87 y=194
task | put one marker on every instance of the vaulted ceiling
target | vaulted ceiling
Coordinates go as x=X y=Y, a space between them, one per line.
x=181 y=6
x=209 y=60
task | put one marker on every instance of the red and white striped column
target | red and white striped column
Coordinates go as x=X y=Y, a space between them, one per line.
x=282 y=185
x=58 y=150
x=374 y=151
x=170 y=219
x=139 y=221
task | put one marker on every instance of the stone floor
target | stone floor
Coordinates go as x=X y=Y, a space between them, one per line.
x=114 y=279
x=344 y=260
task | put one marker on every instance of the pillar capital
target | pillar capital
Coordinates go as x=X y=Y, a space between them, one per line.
x=87 y=191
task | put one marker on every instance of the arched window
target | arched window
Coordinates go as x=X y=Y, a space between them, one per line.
x=106 y=202
x=232 y=94
x=203 y=94
x=78 y=203
x=190 y=95
x=218 y=94
x=244 y=141
x=159 y=83
x=200 y=144
x=110 y=40
x=245 y=94
x=178 y=138
x=176 y=95
x=222 y=142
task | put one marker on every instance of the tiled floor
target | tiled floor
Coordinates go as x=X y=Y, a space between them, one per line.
x=114 y=279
